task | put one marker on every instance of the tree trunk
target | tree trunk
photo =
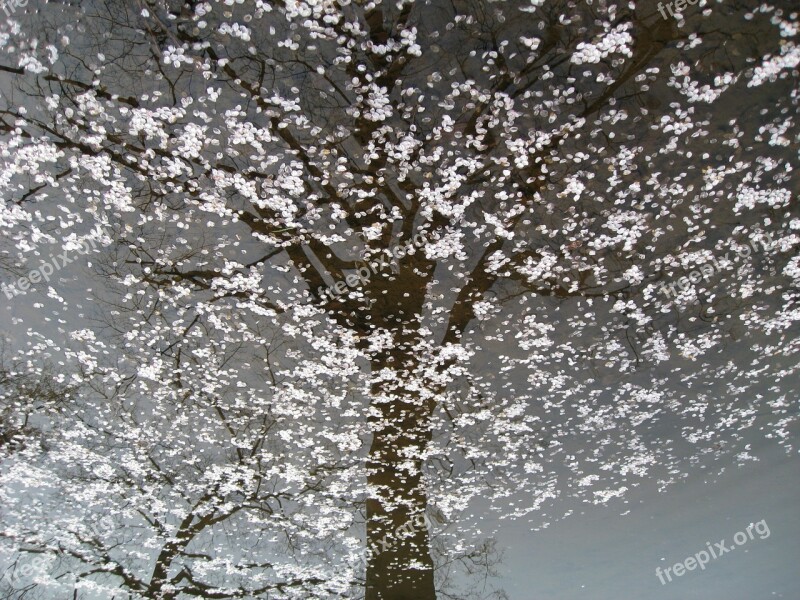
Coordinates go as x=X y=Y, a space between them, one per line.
x=399 y=564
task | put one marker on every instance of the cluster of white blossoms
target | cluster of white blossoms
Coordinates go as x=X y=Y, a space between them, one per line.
x=408 y=38
x=531 y=43
x=235 y=30
x=627 y=228
x=175 y=57
x=747 y=197
x=771 y=68
x=695 y=92
x=618 y=40
x=776 y=130
x=378 y=104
